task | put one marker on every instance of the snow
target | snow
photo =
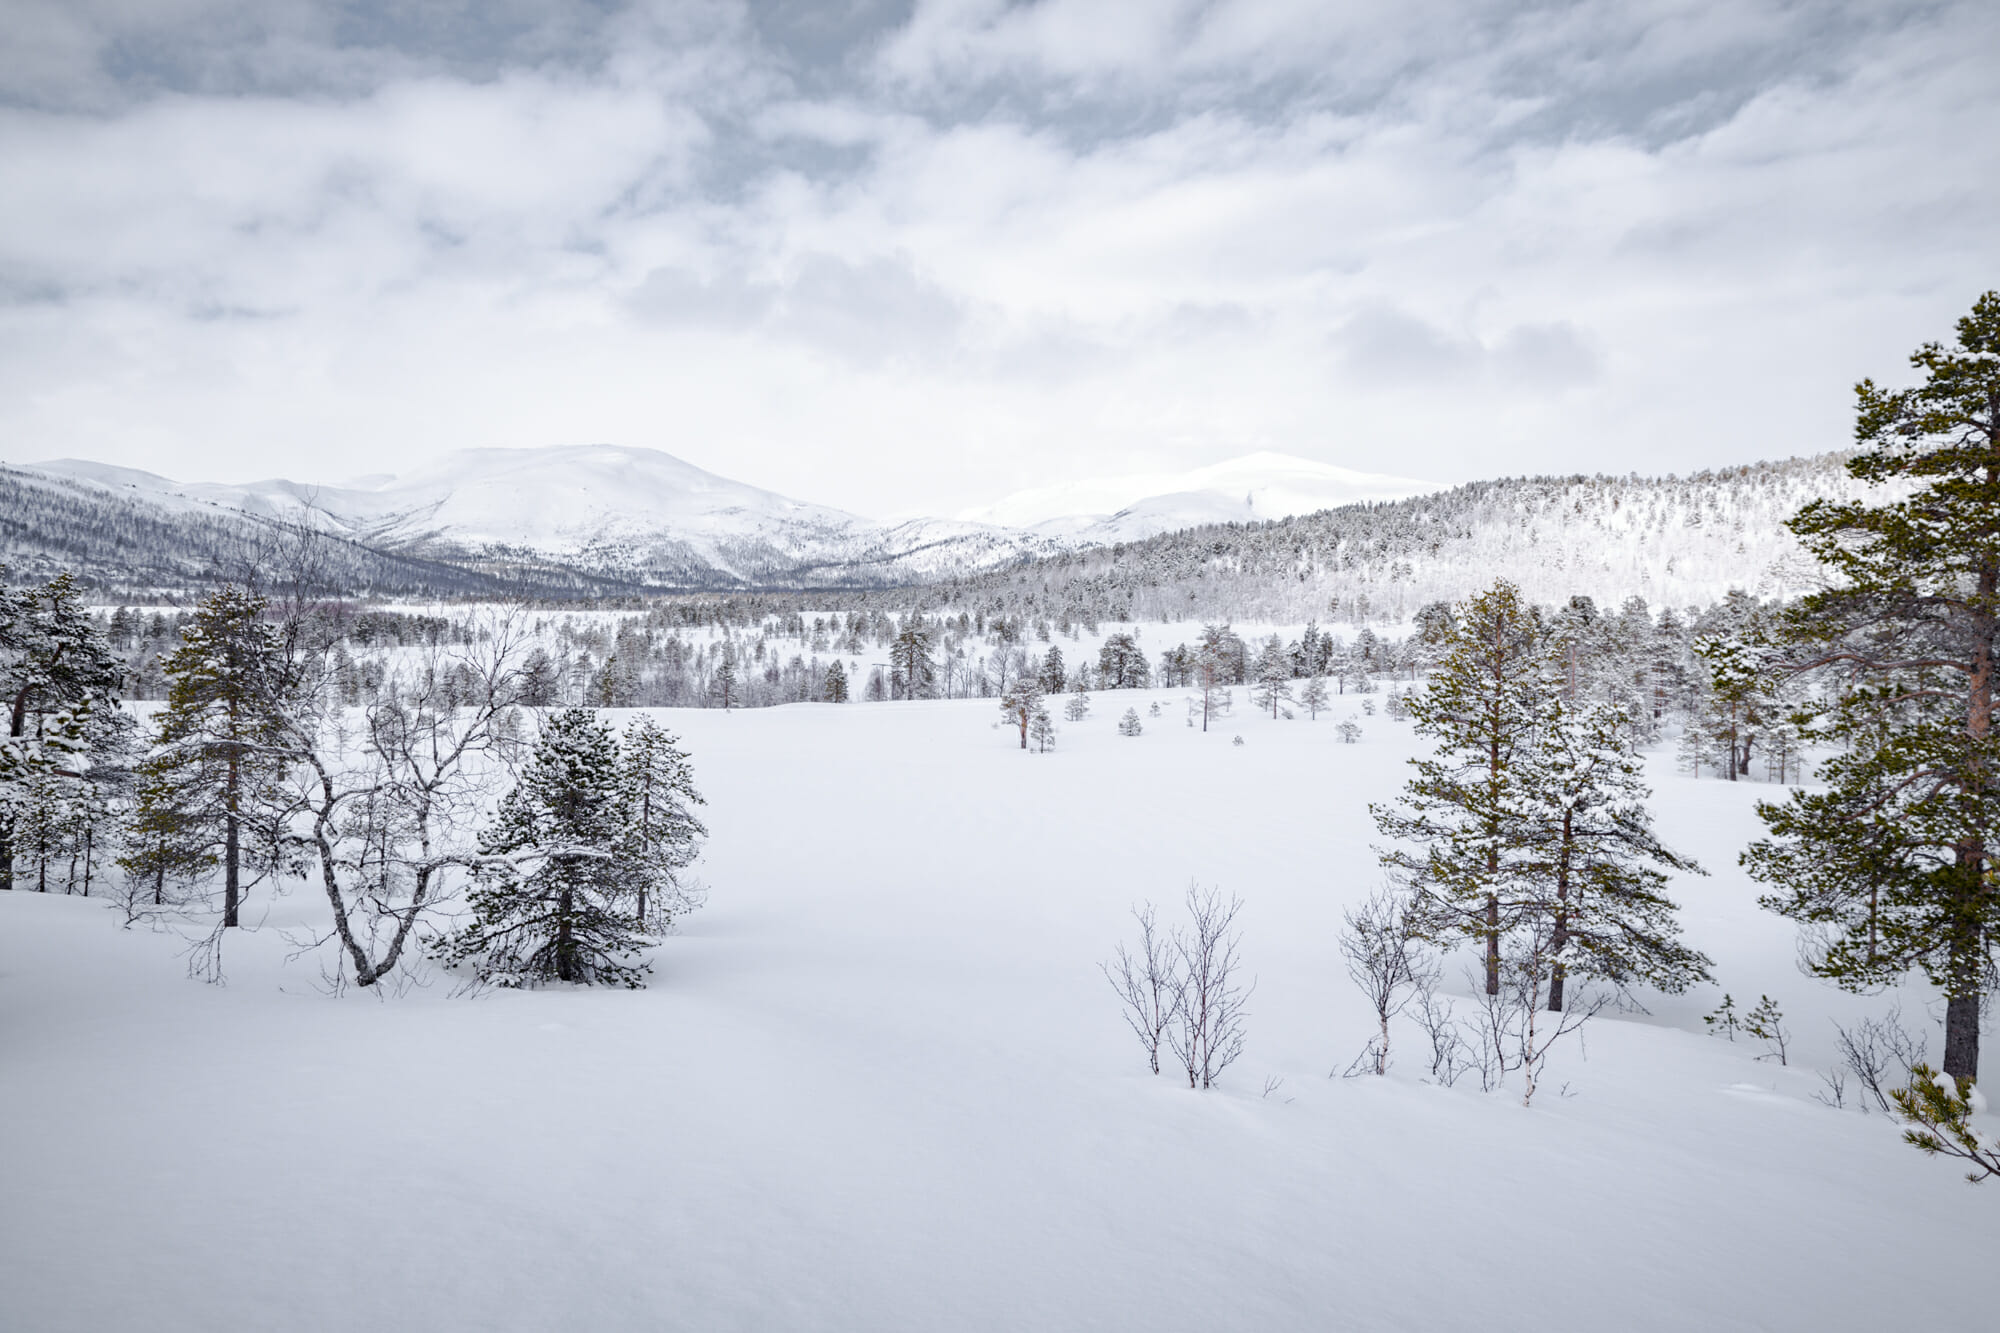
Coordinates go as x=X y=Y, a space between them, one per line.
x=879 y=1084
x=1257 y=487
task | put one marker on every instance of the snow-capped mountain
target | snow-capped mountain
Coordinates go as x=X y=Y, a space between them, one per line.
x=1256 y=487
x=635 y=515
x=601 y=520
x=643 y=516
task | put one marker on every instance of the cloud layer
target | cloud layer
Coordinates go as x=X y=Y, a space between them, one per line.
x=903 y=258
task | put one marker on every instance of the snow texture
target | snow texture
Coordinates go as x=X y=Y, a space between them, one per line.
x=880 y=1084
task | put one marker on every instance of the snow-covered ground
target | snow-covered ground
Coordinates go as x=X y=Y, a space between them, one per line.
x=879 y=1083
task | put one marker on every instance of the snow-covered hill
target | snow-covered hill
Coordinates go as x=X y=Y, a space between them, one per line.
x=1256 y=487
x=1264 y=536
x=634 y=515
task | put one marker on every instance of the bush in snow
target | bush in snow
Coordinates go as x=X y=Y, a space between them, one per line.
x=1129 y=724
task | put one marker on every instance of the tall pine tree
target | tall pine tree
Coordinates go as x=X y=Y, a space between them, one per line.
x=1891 y=867
x=1461 y=831
x=211 y=789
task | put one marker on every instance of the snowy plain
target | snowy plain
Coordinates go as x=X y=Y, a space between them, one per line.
x=879 y=1083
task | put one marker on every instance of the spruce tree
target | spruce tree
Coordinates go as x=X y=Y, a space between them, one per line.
x=1459 y=833
x=912 y=674
x=1274 y=676
x=662 y=833
x=555 y=864
x=833 y=688
x=222 y=747
x=1891 y=867
x=59 y=684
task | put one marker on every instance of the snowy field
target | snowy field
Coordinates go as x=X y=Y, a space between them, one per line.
x=879 y=1083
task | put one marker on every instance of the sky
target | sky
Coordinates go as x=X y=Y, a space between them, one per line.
x=909 y=257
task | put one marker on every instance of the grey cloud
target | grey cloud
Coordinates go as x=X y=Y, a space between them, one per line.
x=863 y=312
x=1384 y=345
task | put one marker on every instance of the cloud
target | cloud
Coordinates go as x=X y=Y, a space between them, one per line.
x=906 y=258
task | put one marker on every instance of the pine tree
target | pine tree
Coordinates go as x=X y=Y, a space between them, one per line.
x=1129 y=725
x=1054 y=677
x=1891 y=867
x=1021 y=701
x=1593 y=867
x=1121 y=664
x=1078 y=706
x=213 y=782
x=556 y=863
x=1042 y=728
x=723 y=682
x=663 y=836
x=1459 y=829
x=834 y=687
x=56 y=672
x=912 y=674
x=1274 y=676
x=1313 y=696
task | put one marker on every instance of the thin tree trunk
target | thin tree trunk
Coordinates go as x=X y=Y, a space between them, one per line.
x=565 y=940
x=1492 y=944
x=1961 y=1036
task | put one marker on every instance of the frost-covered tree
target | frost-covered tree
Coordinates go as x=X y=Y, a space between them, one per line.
x=1459 y=832
x=1077 y=708
x=1593 y=868
x=214 y=782
x=1313 y=696
x=1042 y=729
x=833 y=686
x=58 y=686
x=1129 y=725
x=1121 y=664
x=912 y=673
x=1891 y=866
x=1054 y=676
x=549 y=893
x=723 y=684
x=663 y=835
x=1022 y=701
x=1273 y=670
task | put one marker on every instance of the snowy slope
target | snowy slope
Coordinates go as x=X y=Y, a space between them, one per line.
x=1255 y=487
x=631 y=513
x=879 y=1084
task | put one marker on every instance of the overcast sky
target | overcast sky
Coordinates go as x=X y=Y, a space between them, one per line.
x=906 y=258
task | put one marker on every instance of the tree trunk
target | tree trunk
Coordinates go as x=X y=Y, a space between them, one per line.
x=1492 y=944
x=1961 y=1036
x=232 y=856
x=565 y=939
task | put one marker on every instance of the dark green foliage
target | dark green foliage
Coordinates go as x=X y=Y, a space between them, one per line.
x=211 y=793
x=561 y=886
x=1723 y=1022
x=61 y=733
x=1942 y=1116
x=1890 y=868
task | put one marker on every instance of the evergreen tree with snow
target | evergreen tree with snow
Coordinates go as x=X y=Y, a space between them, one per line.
x=1890 y=867
x=1042 y=728
x=1054 y=676
x=912 y=673
x=1273 y=671
x=833 y=688
x=1022 y=701
x=59 y=684
x=1459 y=832
x=1121 y=664
x=1129 y=725
x=1313 y=696
x=213 y=783
x=1078 y=706
x=663 y=836
x=1594 y=871
x=723 y=684
x=552 y=883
